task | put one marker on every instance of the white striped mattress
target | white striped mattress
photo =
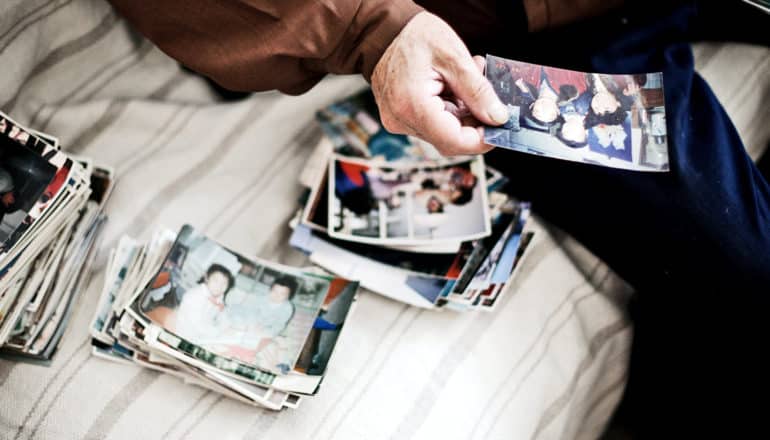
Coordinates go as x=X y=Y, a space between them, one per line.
x=550 y=363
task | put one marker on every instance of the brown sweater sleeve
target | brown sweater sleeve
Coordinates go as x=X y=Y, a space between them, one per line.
x=254 y=45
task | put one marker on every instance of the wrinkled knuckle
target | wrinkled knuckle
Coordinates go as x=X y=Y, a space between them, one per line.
x=478 y=91
x=404 y=108
x=390 y=123
x=446 y=150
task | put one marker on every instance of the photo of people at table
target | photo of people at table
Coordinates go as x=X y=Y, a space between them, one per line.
x=610 y=120
x=382 y=203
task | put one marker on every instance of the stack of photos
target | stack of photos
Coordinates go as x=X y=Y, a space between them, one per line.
x=253 y=330
x=440 y=233
x=51 y=214
x=616 y=121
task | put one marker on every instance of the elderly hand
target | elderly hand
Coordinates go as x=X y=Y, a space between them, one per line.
x=427 y=84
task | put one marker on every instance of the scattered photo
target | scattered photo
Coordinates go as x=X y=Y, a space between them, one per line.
x=353 y=125
x=48 y=231
x=327 y=326
x=23 y=135
x=407 y=204
x=616 y=121
x=24 y=177
x=256 y=313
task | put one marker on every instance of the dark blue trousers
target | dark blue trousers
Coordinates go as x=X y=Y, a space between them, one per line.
x=694 y=242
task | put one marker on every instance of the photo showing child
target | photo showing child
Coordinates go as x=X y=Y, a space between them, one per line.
x=252 y=328
x=198 y=315
x=218 y=300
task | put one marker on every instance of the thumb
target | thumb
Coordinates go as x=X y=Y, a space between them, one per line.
x=469 y=84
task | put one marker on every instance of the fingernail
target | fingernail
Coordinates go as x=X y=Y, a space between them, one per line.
x=499 y=113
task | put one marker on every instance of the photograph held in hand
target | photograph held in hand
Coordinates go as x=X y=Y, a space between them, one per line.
x=616 y=121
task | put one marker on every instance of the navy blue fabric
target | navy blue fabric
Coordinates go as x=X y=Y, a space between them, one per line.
x=694 y=242
x=706 y=223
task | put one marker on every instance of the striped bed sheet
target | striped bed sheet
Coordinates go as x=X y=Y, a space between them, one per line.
x=550 y=363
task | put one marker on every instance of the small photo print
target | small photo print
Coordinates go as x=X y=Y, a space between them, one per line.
x=253 y=312
x=616 y=121
x=353 y=125
x=410 y=204
x=24 y=176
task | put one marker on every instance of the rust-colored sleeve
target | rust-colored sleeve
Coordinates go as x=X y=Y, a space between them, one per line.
x=254 y=45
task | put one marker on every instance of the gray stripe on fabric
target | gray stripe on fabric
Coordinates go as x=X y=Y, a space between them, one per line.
x=202 y=417
x=573 y=311
x=264 y=422
x=5 y=370
x=150 y=210
x=166 y=88
x=20 y=15
x=82 y=349
x=169 y=128
x=598 y=341
x=104 y=421
x=706 y=54
x=12 y=365
x=113 y=112
x=186 y=413
x=67 y=50
x=375 y=374
x=128 y=60
x=452 y=359
x=531 y=348
x=748 y=84
x=299 y=140
x=110 y=115
x=612 y=389
x=14 y=31
x=333 y=407
x=757 y=120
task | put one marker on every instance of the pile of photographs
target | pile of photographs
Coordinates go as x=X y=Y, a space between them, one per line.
x=253 y=330
x=51 y=214
x=616 y=121
x=390 y=212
